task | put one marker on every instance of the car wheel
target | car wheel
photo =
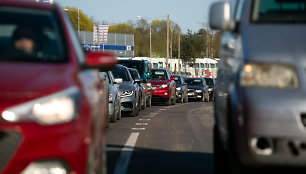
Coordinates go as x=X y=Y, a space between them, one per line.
x=119 y=110
x=144 y=103
x=149 y=103
x=206 y=98
x=186 y=99
x=220 y=155
x=181 y=99
x=168 y=102
x=174 y=100
x=203 y=98
x=114 y=115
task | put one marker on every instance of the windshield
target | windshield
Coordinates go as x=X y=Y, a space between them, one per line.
x=194 y=82
x=30 y=35
x=279 y=11
x=209 y=82
x=134 y=74
x=121 y=73
x=133 y=64
x=177 y=80
x=159 y=75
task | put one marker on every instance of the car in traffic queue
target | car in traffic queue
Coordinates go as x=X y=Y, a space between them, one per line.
x=144 y=69
x=211 y=83
x=260 y=119
x=181 y=89
x=114 y=97
x=129 y=91
x=142 y=91
x=197 y=88
x=52 y=104
x=163 y=86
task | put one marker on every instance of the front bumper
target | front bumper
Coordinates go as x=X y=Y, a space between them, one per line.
x=194 y=95
x=160 y=93
x=25 y=143
x=269 y=129
x=128 y=103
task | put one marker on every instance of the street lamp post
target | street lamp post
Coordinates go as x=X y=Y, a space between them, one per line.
x=78 y=11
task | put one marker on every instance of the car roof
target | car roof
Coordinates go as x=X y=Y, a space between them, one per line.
x=28 y=4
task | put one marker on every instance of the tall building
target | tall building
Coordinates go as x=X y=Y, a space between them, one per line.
x=45 y=1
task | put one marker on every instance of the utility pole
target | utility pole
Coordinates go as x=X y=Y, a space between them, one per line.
x=167 y=60
x=179 y=52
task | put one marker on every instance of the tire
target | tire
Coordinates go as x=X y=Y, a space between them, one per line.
x=119 y=111
x=135 y=112
x=186 y=99
x=220 y=155
x=203 y=98
x=181 y=100
x=113 y=117
x=144 y=103
x=173 y=102
x=168 y=102
x=149 y=103
x=206 y=99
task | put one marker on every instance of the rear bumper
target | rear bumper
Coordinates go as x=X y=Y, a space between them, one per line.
x=160 y=94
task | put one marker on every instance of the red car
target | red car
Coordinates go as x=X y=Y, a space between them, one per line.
x=52 y=105
x=163 y=86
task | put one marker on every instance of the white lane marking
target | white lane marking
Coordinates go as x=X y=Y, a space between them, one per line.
x=154 y=113
x=162 y=109
x=138 y=128
x=141 y=124
x=126 y=153
x=144 y=119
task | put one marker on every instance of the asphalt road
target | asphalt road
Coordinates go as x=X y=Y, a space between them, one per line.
x=163 y=140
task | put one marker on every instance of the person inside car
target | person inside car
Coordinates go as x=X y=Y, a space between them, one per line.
x=24 y=40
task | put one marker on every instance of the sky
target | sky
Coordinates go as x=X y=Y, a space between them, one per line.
x=188 y=14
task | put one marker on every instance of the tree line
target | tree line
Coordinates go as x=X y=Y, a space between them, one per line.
x=202 y=43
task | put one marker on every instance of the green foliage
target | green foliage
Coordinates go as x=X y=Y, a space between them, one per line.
x=85 y=23
x=122 y=28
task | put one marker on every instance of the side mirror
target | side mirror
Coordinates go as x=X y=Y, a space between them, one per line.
x=100 y=60
x=138 y=80
x=118 y=81
x=148 y=75
x=220 y=16
x=172 y=78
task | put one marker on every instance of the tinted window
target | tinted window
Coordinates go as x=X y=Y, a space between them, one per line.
x=279 y=11
x=209 y=82
x=133 y=64
x=159 y=75
x=30 y=35
x=134 y=74
x=121 y=73
x=194 y=82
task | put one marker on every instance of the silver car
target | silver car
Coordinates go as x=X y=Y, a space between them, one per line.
x=260 y=113
x=129 y=91
x=114 y=106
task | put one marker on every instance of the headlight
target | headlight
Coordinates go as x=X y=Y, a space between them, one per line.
x=198 y=91
x=210 y=89
x=57 y=108
x=178 y=88
x=47 y=167
x=164 y=86
x=149 y=85
x=269 y=76
x=127 y=93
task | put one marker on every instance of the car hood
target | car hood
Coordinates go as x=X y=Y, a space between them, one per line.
x=21 y=82
x=158 y=82
x=124 y=86
x=195 y=87
x=277 y=43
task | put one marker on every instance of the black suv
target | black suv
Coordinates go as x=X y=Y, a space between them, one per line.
x=144 y=69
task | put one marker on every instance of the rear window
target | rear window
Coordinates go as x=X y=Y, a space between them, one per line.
x=159 y=75
x=30 y=35
x=279 y=11
x=133 y=64
x=121 y=73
